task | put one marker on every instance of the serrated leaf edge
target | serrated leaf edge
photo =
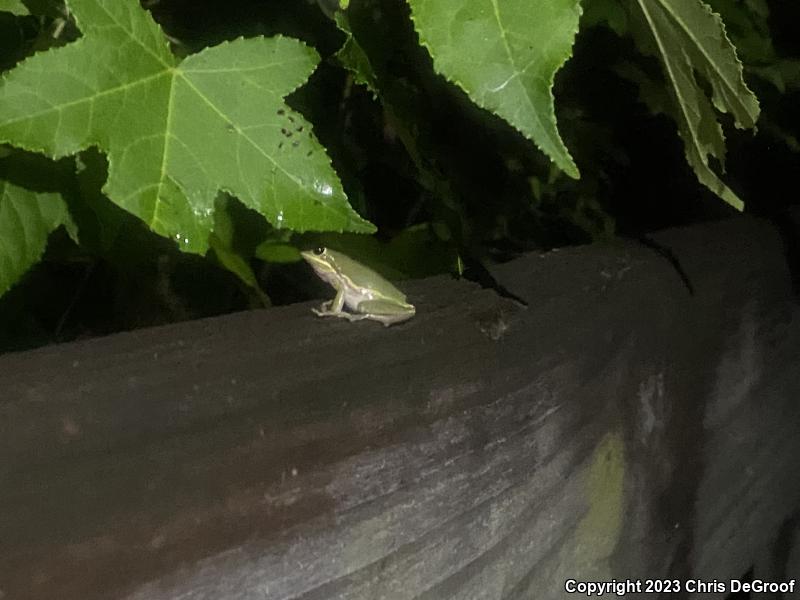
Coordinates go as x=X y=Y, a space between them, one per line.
x=572 y=168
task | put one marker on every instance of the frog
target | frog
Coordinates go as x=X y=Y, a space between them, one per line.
x=359 y=289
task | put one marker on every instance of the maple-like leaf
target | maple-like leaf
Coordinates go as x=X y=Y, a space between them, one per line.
x=504 y=54
x=178 y=132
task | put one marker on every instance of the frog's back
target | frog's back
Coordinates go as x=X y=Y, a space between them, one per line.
x=364 y=277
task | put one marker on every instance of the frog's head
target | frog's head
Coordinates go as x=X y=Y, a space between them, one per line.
x=323 y=261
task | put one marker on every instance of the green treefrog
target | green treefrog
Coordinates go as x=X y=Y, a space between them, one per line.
x=366 y=294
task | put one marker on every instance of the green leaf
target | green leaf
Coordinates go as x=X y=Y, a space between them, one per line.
x=505 y=54
x=222 y=241
x=236 y=264
x=276 y=251
x=176 y=133
x=26 y=220
x=746 y=23
x=15 y=7
x=609 y=12
x=353 y=58
x=689 y=38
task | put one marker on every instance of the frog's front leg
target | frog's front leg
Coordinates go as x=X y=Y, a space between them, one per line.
x=332 y=308
x=335 y=308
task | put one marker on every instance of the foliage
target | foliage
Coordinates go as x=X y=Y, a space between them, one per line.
x=176 y=133
x=26 y=219
x=457 y=128
x=505 y=55
x=689 y=38
x=15 y=7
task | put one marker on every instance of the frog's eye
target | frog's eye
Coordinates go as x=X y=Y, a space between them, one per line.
x=319 y=250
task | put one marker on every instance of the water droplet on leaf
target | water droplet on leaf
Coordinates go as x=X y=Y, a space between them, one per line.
x=323 y=187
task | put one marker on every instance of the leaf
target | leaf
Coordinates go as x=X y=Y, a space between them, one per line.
x=222 y=242
x=610 y=12
x=746 y=23
x=353 y=58
x=176 y=133
x=15 y=7
x=504 y=54
x=689 y=38
x=26 y=220
x=276 y=251
x=236 y=264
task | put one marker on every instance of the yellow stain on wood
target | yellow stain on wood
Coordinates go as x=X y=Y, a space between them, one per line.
x=599 y=530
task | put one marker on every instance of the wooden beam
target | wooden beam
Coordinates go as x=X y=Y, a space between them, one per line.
x=615 y=427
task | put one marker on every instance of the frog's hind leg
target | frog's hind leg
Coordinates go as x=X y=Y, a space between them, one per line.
x=386 y=312
x=322 y=311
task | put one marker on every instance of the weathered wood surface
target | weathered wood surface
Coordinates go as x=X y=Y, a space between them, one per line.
x=616 y=427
